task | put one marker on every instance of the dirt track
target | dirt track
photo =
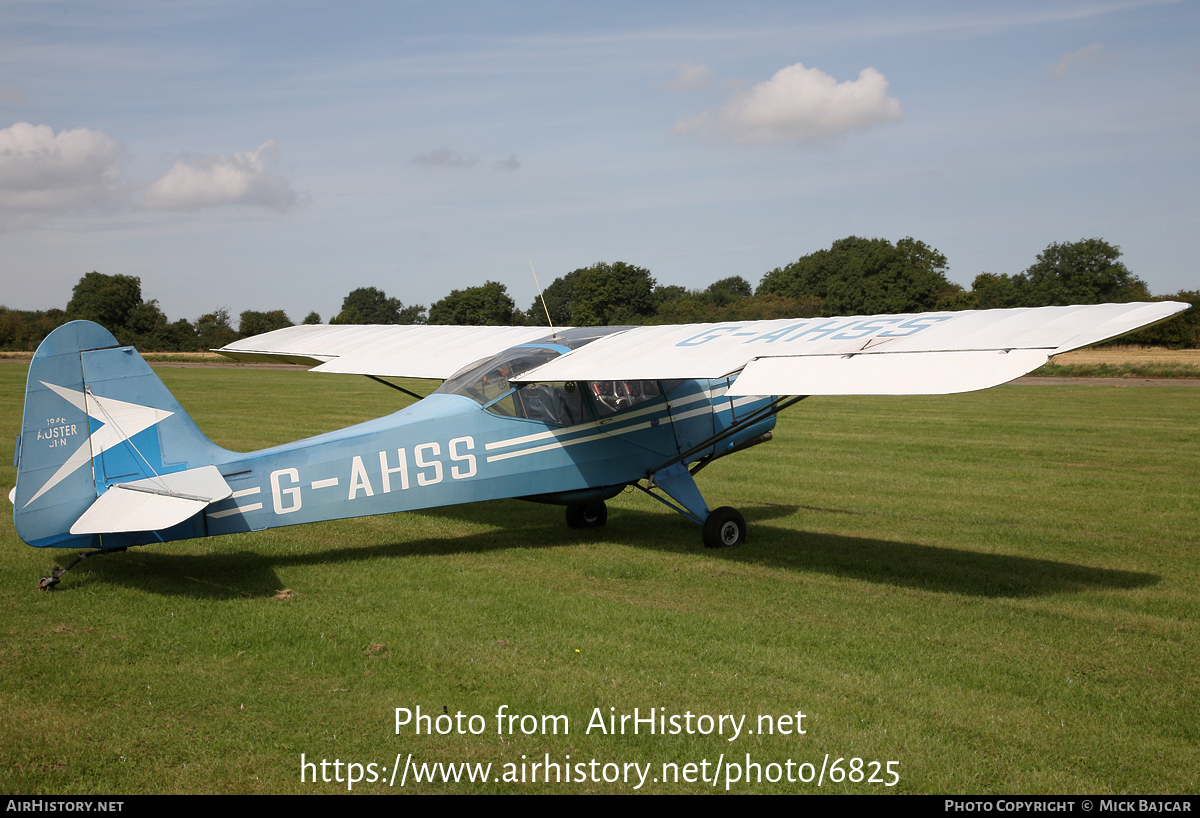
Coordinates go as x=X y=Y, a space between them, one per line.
x=1117 y=356
x=1028 y=380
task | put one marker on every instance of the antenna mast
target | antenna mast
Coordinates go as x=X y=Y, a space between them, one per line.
x=553 y=331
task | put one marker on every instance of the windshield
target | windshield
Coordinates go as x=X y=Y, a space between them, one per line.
x=576 y=337
x=488 y=381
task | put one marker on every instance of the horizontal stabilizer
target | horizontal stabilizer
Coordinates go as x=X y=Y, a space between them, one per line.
x=155 y=503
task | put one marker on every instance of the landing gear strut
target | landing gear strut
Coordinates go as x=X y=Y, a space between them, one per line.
x=722 y=527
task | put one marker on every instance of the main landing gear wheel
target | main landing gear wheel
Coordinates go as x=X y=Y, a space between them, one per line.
x=724 y=527
x=592 y=515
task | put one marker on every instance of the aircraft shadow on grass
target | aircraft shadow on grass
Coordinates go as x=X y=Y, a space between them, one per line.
x=247 y=573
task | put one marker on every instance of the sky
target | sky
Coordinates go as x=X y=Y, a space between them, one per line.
x=260 y=156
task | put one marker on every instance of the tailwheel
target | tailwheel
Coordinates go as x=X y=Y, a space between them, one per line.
x=47 y=583
x=591 y=515
x=724 y=527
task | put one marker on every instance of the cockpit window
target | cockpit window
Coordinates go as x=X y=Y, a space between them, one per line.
x=486 y=380
x=557 y=403
x=576 y=337
x=613 y=396
x=488 y=383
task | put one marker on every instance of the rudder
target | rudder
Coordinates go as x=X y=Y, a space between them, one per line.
x=95 y=415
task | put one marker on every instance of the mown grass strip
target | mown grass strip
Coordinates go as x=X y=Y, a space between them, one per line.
x=998 y=590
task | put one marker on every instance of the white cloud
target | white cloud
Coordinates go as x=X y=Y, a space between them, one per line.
x=196 y=182
x=798 y=104
x=690 y=77
x=77 y=169
x=1091 y=56
x=511 y=163
x=444 y=157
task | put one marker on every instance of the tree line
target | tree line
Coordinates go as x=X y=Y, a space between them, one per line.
x=855 y=276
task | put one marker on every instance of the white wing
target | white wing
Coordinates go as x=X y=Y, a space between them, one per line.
x=928 y=353
x=923 y=354
x=383 y=350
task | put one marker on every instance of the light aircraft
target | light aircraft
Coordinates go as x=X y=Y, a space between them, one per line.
x=108 y=459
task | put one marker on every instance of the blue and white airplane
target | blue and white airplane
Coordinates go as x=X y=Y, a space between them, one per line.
x=108 y=459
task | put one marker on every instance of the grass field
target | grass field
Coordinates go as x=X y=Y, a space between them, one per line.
x=998 y=591
x=1124 y=362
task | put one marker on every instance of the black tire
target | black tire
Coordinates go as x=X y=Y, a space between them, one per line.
x=592 y=515
x=724 y=527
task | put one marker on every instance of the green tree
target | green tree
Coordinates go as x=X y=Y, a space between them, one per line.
x=146 y=318
x=955 y=301
x=108 y=300
x=697 y=309
x=488 y=305
x=770 y=307
x=1178 y=332
x=313 y=317
x=678 y=305
x=177 y=336
x=213 y=330
x=370 y=305
x=603 y=294
x=148 y=329
x=256 y=323
x=1084 y=272
x=866 y=276
x=734 y=288
x=667 y=294
x=996 y=292
x=25 y=329
x=558 y=300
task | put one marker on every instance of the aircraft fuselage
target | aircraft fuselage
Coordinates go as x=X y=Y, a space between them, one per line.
x=447 y=449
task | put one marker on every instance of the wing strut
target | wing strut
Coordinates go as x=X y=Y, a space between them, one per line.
x=394 y=386
x=773 y=408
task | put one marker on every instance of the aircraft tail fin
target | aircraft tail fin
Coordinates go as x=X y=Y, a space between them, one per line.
x=97 y=419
